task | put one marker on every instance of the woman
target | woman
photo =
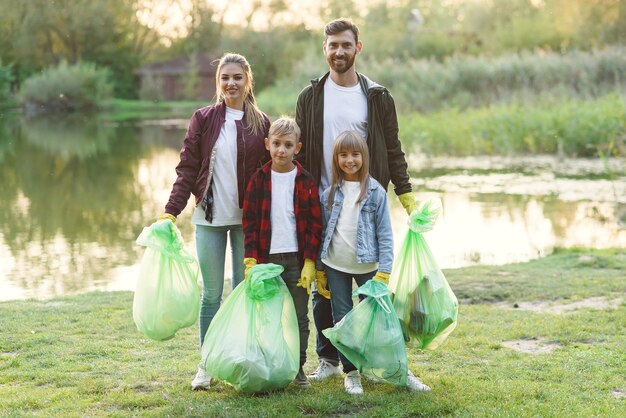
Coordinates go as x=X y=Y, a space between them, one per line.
x=222 y=149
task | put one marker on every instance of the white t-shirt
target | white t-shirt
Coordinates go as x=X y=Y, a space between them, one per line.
x=226 y=209
x=283 y=217
x=342 y=249
x=345 y=109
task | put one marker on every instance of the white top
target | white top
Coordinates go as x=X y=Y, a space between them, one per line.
x=345 y=109
x=342 y=249
x=283 y=218
x=226 y=209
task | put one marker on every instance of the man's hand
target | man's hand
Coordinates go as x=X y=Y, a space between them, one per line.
x=408 y=202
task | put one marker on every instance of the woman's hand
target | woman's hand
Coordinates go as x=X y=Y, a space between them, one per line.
x=381 y=277
x=321 y=282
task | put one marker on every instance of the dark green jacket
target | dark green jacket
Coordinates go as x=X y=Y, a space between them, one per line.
x=387 y=160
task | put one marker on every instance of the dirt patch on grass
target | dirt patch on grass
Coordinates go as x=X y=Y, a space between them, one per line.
x=619 y=393
x=536 y=346
x=568 y=308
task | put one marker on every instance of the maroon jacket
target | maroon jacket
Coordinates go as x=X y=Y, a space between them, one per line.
x=204 y=129
x=257 y=207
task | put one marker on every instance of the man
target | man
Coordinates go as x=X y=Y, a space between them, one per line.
x=344 y=100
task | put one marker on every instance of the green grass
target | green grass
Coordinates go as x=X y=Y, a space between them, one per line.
x=82 y=356
x=122 y=109
x=574 y=128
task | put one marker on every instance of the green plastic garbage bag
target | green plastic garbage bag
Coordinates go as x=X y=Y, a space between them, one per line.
x=371 y=338
x=167 y=297
x=423 y=300
x=253 y=341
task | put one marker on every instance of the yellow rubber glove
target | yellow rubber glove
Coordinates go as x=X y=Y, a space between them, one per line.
x=381 y=277
x=408 y=202
x=321 y=282
x=249 y=263
x=308 y=275
x=167 y=216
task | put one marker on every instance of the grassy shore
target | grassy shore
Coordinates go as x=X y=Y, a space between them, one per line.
x=122 y=109
x=561 y=352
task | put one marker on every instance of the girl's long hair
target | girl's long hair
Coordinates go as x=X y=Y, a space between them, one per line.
x=349 y=141
x=255 y=119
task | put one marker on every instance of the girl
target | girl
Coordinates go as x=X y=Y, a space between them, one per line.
x=357 y=241
x=223 y=147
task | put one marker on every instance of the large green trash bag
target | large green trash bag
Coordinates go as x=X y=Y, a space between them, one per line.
x=167 y=297
x=370 y=336
x=253 y=342
x=423 y=300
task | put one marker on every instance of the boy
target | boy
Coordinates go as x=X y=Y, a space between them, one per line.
x=282 y=222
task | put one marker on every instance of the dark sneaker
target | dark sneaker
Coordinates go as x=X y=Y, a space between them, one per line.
x=301 y=380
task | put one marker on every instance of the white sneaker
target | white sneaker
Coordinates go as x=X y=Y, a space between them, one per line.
x=416 y=385
x=324 y=370
x=201 y=381
x=352 y=383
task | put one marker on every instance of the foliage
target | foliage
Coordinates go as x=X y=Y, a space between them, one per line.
x=121 y=35
x=572 y=127
x=54 y=363
x=269 y=62
x=490 y=27
x=41 y=33
x=6 y=77
x=464 y=81
x=67 y=87
x=280 y=98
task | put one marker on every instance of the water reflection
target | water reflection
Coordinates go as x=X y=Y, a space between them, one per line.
x=75 y=193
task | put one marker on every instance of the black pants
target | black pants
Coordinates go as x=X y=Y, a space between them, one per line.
x=292 y=264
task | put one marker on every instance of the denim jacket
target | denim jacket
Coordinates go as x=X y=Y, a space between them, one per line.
x=374 y=236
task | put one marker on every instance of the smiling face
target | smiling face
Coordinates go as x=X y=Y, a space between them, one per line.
x=341 y=50
x=350 y=162
x=233 y=85
x=282 y=149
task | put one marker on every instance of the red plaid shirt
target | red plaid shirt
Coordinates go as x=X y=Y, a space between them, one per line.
x=257 y=220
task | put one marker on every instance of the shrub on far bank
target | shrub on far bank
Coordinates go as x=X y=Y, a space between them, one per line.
x=66 y=88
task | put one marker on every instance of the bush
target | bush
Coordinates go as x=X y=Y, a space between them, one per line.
x=66 y=88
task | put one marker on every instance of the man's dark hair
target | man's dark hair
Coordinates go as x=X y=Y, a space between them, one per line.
x=339 y=25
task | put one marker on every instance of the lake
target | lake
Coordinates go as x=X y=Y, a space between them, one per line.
x=76 y=191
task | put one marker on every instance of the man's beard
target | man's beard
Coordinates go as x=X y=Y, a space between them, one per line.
x=345 y=65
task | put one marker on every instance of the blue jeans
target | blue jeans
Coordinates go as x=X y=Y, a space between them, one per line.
x=293 y=270
x=211 y=250
x=340 y=286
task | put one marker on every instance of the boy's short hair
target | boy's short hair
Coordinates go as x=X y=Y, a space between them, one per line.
x=340 y=25
x=284 y=126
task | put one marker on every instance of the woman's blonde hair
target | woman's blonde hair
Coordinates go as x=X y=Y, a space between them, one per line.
x=349 y=141
x=255 y=119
